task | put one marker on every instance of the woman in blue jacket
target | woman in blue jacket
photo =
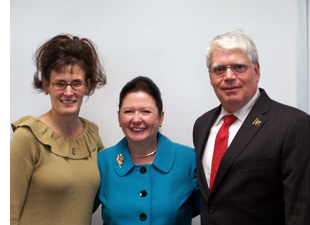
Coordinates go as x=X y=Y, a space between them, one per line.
x=146 y=178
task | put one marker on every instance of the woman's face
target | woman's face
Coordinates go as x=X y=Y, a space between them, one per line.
x=139 y=118
x=67 y=101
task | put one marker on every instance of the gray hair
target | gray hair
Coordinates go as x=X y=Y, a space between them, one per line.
x=233 y=40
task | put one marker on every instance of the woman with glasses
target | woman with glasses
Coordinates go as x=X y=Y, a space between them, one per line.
x=54 y=173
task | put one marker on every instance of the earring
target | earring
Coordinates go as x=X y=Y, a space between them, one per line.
x=159 y=125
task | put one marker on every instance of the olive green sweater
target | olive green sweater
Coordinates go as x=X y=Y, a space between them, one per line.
x=54 y=179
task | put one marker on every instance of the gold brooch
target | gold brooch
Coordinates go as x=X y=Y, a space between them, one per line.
x=120 y=160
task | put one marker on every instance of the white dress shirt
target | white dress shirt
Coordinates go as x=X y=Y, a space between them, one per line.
x=241 y=115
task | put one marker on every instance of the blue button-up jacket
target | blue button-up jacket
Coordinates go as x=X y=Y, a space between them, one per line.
x=162 y=193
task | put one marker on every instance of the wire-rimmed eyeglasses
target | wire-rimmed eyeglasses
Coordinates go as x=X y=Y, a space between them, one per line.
x=220 y=70
x=76 y=85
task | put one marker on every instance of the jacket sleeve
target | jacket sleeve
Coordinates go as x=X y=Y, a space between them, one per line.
x=296 y=172
x=196 y=195
x=22 y=164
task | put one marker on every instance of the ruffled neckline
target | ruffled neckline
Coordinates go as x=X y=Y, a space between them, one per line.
x=74 y=148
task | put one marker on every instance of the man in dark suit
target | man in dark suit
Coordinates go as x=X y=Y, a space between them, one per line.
x=263 y=178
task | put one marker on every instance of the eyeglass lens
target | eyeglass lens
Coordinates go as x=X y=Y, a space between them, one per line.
x=236 y=67
x=63 y=85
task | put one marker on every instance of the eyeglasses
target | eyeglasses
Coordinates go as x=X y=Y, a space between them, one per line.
x=76 y=85
x=235 y=67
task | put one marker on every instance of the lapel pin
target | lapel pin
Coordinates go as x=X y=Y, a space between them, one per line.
x=256 y=122
x=120 y=160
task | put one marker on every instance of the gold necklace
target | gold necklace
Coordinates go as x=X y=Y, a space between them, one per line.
x=143 y=156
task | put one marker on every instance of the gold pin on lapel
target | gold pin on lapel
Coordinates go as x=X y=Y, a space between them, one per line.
x=256 y=122
x=120 y=160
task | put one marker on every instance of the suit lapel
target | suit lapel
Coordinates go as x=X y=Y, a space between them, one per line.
x=250 y=127
x=204 y=130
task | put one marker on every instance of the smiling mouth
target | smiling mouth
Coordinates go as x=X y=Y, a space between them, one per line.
x=137 y=129
x=68 y=102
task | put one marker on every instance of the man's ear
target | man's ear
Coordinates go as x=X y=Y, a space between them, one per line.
x=257 y=70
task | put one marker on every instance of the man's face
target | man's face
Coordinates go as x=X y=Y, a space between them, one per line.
x=233 y=89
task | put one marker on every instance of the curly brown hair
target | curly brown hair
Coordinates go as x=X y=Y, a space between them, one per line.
x=64 y=51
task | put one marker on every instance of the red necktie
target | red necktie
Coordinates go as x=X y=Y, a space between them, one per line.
x=220 y=146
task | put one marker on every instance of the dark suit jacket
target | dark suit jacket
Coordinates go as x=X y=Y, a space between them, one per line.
x=264 y=176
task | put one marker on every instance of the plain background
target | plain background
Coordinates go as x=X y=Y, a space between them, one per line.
x=162 y=39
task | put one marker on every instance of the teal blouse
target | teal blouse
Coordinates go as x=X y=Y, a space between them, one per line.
x=163 y=193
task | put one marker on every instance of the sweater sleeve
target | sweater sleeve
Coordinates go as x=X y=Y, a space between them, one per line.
x=100 y=145
x=22 y=164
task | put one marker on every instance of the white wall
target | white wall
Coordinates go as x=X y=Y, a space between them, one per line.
x=162 y=39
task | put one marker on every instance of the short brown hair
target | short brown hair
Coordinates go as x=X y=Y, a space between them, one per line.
x=64 y=51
